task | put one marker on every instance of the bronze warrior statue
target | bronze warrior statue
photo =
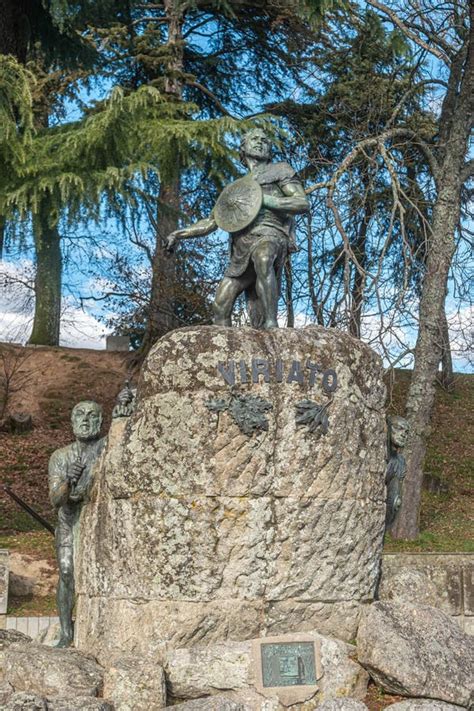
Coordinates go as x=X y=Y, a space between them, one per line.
x=70 y=478
x=258 y=212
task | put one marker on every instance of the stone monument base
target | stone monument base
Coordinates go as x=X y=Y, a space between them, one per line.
x=245 y=497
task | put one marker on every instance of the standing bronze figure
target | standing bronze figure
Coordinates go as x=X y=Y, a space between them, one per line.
x=70 y=479
x=258 y=212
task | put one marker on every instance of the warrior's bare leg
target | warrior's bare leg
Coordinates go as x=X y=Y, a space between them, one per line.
x=227 y=292
x=65 y=594
x=264 y=258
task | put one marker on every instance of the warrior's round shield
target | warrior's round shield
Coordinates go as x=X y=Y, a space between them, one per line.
x=238 y=204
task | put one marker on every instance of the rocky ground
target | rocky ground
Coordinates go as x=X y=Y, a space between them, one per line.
x=417 y=656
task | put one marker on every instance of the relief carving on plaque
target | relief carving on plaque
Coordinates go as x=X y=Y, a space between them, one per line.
x=288 y=667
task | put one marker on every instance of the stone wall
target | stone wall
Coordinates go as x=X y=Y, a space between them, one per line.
x=4 y=574
x=199 y=532
x=444 y=580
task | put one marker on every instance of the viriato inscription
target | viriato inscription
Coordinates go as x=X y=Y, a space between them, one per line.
x=278 y=371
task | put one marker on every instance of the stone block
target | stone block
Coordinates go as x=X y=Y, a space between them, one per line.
x=47 y=671
x=135 y=684
x=447 y=579
x=221 y=702
x=468 y=625
x=203 y=671
x=4 y=575
x=468 y=589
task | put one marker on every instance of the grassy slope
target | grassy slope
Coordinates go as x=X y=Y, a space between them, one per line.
x=446 y=520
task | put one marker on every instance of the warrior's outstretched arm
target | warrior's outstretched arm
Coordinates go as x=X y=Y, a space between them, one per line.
x=199 y=229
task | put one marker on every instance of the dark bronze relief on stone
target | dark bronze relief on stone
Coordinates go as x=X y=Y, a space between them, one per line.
x=312 y=415
x=247 y=411
x=398 y=429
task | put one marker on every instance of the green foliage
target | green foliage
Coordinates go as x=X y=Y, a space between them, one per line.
x=315 y=10
x=16 y=116
x=129 y=135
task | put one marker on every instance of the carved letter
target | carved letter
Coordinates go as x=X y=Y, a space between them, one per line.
x=295 y=374
x=243 y=372
x=260 y=367
x=329 y=380
x=313 y=368
x=279 y=370
x=228 y=373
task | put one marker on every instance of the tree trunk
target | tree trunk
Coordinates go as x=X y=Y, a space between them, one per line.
x=161 y=318
x=315 y=304
x=455 y=126
x=14 y=30
x=447 y=374
x=48 y=278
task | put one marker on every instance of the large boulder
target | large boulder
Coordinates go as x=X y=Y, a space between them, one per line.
x=46 y=671
x=342 y=705
x=215 y=515
x=221 y=702
x=135 y=684
x=229 y=666
x=7 y=638
x=251 y=701
x=417 y=650
x=79 y=703
x=6 y=690
x=24 y=701
x=422 y=705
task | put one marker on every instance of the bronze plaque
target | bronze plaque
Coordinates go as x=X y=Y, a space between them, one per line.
x=238 y=204
x=288 y=664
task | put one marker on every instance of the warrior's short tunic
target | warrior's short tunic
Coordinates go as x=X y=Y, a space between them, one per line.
x=269 y=226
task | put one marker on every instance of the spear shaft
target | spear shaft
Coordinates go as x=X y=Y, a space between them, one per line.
x=29 y=510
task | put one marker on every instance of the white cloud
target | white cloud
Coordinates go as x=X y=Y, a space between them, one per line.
x=79 y=328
